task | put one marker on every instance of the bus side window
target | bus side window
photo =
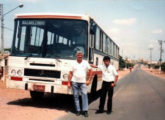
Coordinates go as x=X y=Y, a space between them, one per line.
x=97 y=39
x=97 y=61
x=109 y=46
x=91 y=41
x=101 y=41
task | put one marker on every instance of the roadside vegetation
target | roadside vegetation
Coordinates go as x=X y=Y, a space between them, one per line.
x=125 y=63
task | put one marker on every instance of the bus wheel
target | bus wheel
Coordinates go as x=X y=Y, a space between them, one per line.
x=36 y=96
x=94 y=85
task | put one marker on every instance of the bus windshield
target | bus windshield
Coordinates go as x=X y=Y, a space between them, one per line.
x=49 y=38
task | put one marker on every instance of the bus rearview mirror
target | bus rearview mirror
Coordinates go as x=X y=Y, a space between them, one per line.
x=93 y=29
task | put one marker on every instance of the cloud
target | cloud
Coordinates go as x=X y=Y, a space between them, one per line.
x=128 y=21
x=114 y=30
x=157 y=31
x=30 y=1
x=151 y=46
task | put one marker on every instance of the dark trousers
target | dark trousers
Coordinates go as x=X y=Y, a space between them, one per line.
x=106 y=88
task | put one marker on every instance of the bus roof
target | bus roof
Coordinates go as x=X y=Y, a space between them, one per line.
x=53 y=15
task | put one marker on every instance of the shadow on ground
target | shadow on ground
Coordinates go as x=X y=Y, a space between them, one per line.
x=54 y=101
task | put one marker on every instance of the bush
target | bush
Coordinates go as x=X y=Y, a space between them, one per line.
x=156 y=66
x=129 y=65
x=163 y=66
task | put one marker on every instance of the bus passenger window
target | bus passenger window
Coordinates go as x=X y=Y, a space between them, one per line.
x=97 y=61
x=97 y=39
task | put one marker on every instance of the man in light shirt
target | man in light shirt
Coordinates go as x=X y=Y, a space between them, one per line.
x=109 y=77
x=77 y=79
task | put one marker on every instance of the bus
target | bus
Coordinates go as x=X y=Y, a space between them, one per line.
x=44 y=47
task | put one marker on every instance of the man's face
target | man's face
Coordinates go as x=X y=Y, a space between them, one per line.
x=106 y=62
x=79 y=56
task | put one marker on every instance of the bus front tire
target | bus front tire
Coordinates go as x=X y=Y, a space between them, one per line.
x=36 y=96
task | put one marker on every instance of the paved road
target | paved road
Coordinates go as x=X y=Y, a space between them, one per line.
x=138 y=96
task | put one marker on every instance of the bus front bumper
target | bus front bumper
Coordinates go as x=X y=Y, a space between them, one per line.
x=40 y=87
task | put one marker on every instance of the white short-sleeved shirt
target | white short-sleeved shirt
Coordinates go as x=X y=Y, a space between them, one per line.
x=108 y=73
x=80 y=71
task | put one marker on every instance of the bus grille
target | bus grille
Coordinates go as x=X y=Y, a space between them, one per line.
x=42 y=73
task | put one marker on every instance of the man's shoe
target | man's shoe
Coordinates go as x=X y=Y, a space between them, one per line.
x=109 y=112
x=78 y=113
x=85 y=113
x=99 y=111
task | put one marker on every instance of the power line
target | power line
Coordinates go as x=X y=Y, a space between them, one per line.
x=7 y=28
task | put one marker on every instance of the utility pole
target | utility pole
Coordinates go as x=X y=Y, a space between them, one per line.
x=161 y=51
x=2 y=30
x=150 y=65
x=150 y=49
x=2 y=15
x=2 y=41
x=2 y=25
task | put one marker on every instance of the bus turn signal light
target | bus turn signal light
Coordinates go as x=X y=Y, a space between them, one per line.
x=16 y=78
x=64 y=82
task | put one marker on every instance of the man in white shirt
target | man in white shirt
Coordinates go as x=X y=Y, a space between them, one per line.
x=77 y=76
x=109 y=77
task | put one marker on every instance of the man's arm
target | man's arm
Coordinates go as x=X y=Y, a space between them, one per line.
x=115 y=81
x=90 y=77
x=69 y=78
x=94 y=66
x=116 y=77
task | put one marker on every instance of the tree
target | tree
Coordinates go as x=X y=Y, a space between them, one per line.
x=121 y=62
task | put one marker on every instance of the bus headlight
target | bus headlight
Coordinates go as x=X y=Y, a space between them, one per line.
x=19 y=72
x=13 y=72
x=65 y=76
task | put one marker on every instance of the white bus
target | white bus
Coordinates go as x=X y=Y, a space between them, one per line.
x=44 y=47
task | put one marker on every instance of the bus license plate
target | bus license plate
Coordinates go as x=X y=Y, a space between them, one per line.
x=40 y=88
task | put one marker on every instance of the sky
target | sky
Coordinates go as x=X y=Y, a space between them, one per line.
x=135 y=25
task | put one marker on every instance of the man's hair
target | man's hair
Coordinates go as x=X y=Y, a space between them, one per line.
x=106 y=58
x=79 y=52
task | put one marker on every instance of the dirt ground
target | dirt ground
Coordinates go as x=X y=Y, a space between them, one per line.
x=17 y=105
x=155 y=72
x=14 y=106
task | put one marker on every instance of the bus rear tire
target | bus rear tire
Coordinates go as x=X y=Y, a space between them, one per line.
x=94 y=85
x=36 y=96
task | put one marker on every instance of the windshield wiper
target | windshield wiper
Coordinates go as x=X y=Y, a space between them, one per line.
x=58 y=59
x=28 y=56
